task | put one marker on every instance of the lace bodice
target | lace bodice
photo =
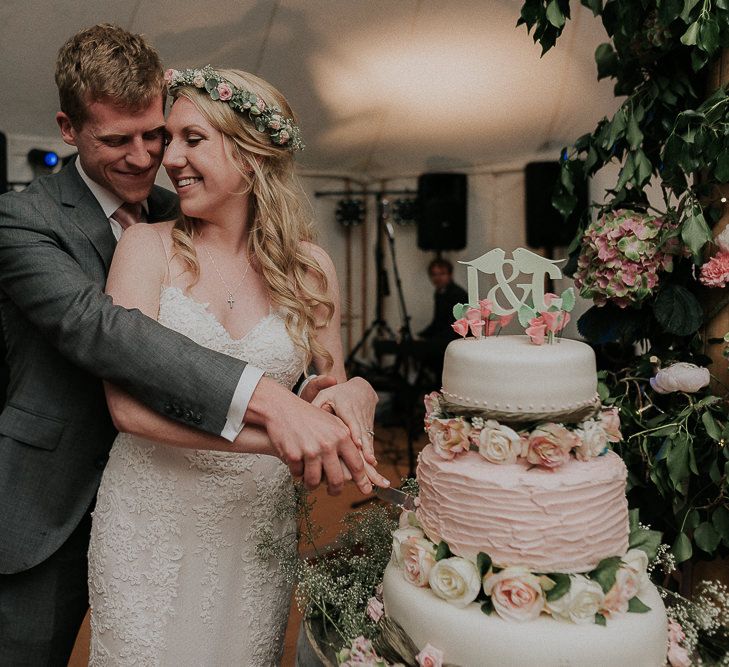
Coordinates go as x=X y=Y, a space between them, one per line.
x=267 y=345
x=174 y=577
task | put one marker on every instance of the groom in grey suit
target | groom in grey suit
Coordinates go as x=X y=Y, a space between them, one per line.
x=63 y=336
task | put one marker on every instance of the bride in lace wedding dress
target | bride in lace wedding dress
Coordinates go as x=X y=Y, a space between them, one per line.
x=174 y=576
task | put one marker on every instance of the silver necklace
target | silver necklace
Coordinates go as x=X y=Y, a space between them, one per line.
x=230 y=291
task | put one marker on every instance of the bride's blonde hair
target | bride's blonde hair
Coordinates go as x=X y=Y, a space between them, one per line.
x=280 y=220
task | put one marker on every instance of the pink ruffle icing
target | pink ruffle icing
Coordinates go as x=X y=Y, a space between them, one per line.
x=565 y=520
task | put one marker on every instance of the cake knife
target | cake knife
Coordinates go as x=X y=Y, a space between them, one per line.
x=395 y=496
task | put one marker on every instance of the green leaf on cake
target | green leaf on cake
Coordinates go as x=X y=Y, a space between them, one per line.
x=600 y=620
x=526 y=313
x=487 y=607
x=605 y=572
x=442 y=551
x=568 y=299
x=562 y=583
x=483 y=563
x=637 y=606
x=459 y=310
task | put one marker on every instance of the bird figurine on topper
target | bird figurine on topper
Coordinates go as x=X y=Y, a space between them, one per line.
x=543 y=314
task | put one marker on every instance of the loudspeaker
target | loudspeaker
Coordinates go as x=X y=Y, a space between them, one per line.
x=442 y=202
x=3 y=164
x=545 y=226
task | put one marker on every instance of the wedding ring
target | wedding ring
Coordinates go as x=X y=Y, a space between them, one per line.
x=370 y=432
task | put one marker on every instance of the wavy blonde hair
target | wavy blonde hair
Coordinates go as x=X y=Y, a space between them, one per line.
x=280 y=220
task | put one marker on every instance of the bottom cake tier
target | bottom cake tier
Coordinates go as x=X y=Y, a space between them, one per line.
x=470 y=638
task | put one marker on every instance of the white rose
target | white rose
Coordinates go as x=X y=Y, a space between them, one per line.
x=580 y=604
x=637 y=561
x=593 y=440
x=456 y=580
x=418 y=559
x=680 y=377
x=398 y=537
x=498 y=443
x=723 y=239
x=515 y=593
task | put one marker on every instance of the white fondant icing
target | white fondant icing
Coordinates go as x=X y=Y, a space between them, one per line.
x=470 y=638
x=505 y=370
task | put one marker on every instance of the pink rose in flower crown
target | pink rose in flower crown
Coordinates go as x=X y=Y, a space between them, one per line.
x=375 y=609
x=461 y=327
x=430 y=657
x=225 y=91
x=170 y=74
x=418 y=558
x=617 y=598
x=715 y=272
x=550 y=445
x=610 y=420
x=198 y=81
x=515 y=593
x=449 y=437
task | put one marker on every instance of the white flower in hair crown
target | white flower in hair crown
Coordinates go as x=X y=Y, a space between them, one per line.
x=269 y=119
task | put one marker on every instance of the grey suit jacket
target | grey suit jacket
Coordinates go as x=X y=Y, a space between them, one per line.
x=62 y=334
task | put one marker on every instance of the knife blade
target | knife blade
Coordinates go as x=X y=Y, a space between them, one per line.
x=396 y=497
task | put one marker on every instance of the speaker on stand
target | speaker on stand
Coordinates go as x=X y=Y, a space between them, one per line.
x=442 y=204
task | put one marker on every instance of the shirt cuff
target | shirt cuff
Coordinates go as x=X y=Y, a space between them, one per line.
x=241 y=397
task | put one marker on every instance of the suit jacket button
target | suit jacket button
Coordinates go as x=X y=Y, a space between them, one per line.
x=197 y=418
x=168 y=408
x=188 y=415
x=178 y=411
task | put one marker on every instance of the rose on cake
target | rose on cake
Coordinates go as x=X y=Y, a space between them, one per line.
x=610 y=420
x=592 y=440
x=617 y=598
x=496 y=442
x=430 y=656
x=418 y=559
x=449 y=436
x=516 y=593
x=549 y=445
x=399 y=537
x=456 y=580
x=580 y=603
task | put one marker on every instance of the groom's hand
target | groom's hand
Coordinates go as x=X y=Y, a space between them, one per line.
x=309 y=440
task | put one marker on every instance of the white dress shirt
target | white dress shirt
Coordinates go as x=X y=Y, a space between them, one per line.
x=248 y=382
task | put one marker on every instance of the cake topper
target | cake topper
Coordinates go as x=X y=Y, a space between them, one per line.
x=542 y=314
x=524 y=261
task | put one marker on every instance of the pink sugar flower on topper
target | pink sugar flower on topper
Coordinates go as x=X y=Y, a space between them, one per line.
x=537 y=330
x=461 y=327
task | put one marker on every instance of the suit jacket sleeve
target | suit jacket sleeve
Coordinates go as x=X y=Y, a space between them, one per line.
x=164 y=369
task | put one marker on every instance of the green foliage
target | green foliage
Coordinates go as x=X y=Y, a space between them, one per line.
x=442 y=551
x=562 y=584
x=605 y=572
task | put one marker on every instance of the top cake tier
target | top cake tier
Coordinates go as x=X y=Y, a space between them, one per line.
x=510 y=378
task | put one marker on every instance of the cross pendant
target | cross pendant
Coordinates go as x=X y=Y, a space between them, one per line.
x=231 y=300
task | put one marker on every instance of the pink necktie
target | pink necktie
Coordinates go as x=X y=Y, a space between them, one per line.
x=128 y=214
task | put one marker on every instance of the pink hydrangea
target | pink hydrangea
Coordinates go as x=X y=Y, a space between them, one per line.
x=623 y=252
x=715 y=272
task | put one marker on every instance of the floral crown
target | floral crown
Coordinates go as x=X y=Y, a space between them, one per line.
x=283 y=131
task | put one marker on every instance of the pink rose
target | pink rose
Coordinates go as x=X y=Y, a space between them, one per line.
x=675 y=632
x=198 y=81
x=486 y=308
x=430 y=657
x=515 y=593
x=275 y=122
x=476 y=328
x=449 y=437
x=474 y=315
x=617 y=598
x=432 y=403
x=715 y=272
x=537 y=330
x=549 y=297
x=678 y=656
x=461 y=327
x=170 y=74
x=610 y=420
x=375 y=609
x=225 y=91
x=550 y=445
x=418 y=558
x=283 y=136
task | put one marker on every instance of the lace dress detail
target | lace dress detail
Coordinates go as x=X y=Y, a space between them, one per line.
x=174 y=578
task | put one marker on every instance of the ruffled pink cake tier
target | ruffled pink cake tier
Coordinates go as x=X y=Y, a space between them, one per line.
x=565 y=520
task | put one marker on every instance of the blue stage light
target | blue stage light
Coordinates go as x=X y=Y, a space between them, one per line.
x=42 y=159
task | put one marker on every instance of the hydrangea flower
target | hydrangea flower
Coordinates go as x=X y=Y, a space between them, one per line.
x=623 y=253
